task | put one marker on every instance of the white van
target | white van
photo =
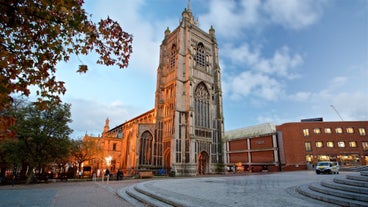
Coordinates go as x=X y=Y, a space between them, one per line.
x=327 y=168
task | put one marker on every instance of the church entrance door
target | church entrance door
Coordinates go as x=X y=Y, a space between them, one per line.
x=203 y=163
x=167 y=162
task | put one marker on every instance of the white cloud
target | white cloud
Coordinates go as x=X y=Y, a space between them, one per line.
x=240 y=55
x=350 y=105
x=281 y=63
x=294 y=14
x=301 y=96
x=256 y=84
x=272 y=118
x=231 y=17
x=337 y=82
x=88 y=115
x=262 y=77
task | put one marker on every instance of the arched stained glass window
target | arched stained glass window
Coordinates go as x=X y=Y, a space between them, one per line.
x=201 y=56
x=145 y=150
x=202 y=107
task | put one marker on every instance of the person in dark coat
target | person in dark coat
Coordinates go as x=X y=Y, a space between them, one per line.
x=107 y=172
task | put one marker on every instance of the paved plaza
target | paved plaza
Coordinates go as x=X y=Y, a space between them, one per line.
x=273 y=189
x=64 y=194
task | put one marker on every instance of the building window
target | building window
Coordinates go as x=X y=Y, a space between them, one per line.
x=362 y=131
x=202 y=106
x=309 y=158
x=341 y=144
x=353 y=144
x=319 y=144
x=350 y=130
x=113 y=165
x=114 y=147
x=308 y=146
x=173 y=56
x=178 y=151
x=145 y=149
x=365 y=146
x=317 y=130
x=330 y=144
x=306 y=132
x=328 y=130
x=323 y=158
x=338 y=130
x=201 y=57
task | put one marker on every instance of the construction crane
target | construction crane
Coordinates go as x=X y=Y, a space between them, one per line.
x=337 y=112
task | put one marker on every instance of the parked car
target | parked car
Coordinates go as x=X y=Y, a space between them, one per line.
x=327 y=168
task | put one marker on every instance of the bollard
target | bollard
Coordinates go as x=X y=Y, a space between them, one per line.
x=94 y=177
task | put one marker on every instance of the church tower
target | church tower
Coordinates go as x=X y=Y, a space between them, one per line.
x=188 y=102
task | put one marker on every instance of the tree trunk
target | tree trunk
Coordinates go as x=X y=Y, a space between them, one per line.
x=29 y=175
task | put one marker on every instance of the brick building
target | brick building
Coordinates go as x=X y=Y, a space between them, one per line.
x=125 y=146
x=252 y=148
x=307 y=142
x=297 y=145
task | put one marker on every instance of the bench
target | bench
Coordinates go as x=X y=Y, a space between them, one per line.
x=37 y=178
x=146 y=174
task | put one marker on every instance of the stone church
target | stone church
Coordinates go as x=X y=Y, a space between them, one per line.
x=183 y=133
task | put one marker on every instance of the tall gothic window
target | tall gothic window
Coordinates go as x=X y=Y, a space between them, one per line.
x=173 y=56
x=202 y=106
x=145 y=149
x=201 y=56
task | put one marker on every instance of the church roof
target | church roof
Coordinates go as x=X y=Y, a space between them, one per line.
x=251 y=131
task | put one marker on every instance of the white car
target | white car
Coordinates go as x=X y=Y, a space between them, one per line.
x=327 y=168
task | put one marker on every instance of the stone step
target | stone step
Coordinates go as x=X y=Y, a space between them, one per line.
x=339 y=193
x=148 y=190
x=338 y=186
x=305 y=190
x=143 y=198
x=364 y=173
x=123 y=194
x=350 y=182
x=362 y=168
x=357 y=177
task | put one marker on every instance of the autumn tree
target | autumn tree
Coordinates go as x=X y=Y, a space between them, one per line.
x=84 y=150
x=35 y=35
x=42 y=136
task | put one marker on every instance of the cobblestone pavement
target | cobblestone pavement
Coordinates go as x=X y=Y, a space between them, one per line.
x=64 y=194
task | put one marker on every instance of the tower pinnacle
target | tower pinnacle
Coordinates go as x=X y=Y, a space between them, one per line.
x=187 y=14
x=106 y=127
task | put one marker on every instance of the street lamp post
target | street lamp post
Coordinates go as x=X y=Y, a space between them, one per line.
x=108 y=163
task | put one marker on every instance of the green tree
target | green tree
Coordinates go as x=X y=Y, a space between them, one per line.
x=37 y=34
x=41 y=136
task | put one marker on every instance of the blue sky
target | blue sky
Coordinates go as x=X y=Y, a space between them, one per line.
x=281 y=61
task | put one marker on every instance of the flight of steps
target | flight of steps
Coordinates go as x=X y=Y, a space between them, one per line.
x=141 y=196
x=351 y=190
